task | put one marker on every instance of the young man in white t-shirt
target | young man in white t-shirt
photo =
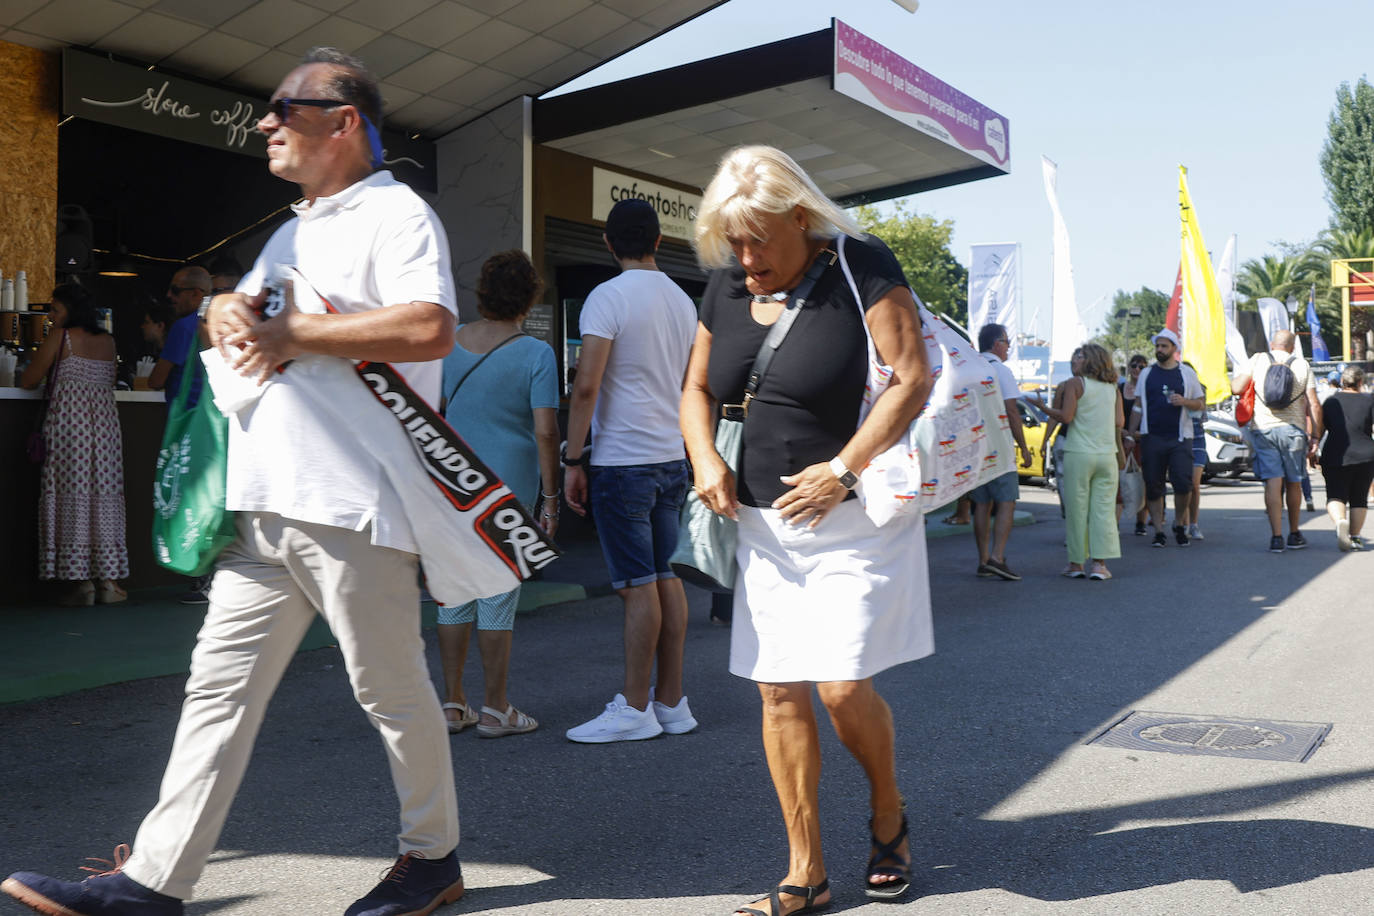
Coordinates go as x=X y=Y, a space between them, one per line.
x=637 y=332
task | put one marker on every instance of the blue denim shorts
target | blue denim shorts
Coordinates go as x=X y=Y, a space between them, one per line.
x=636 y=509
x=1279 y=452
x=1004 y=488
x=1199 y=452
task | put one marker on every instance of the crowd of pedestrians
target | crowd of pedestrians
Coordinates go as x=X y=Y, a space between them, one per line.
x=824 y=599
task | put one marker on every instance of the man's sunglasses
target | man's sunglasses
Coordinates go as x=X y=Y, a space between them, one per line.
x=280 y=107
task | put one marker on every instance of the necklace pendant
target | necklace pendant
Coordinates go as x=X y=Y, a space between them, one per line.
x=780 y=296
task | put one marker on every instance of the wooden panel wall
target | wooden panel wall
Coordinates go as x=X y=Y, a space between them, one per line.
x=29 y=93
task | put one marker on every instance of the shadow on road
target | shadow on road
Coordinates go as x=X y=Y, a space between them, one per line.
x=1023 y=671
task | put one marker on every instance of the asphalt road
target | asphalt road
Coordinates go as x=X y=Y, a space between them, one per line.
x=1011 y=811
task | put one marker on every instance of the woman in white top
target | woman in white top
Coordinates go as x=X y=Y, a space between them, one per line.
x=1093 y=458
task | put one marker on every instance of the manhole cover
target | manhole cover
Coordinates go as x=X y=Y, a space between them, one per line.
x=1218 y=736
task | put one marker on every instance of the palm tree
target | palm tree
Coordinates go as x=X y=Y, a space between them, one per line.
x=1333 y=245
x=1274 y=276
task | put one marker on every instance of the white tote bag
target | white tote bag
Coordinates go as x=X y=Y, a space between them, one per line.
x=960 y=439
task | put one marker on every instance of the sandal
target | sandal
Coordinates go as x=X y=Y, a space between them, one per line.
x=810 y=892
x=82 y=595
x=887 y=852
x=512 y=722
x=466 y=717
x=110 y=594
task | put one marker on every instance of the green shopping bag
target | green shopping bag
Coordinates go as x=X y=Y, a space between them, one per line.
x=190 y=524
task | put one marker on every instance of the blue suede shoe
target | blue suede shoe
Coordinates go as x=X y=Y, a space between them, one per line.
x=110 y=894
x=414 y=886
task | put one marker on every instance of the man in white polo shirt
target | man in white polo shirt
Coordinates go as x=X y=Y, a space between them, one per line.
x=320 y=529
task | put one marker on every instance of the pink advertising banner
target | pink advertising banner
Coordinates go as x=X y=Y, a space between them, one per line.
x=878 y=77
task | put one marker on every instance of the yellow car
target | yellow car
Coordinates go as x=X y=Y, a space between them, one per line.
x=1033 y=425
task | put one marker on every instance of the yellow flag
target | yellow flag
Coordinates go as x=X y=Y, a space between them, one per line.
x=1204 y=323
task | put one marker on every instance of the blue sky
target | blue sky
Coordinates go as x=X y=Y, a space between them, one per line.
x=1118 y=94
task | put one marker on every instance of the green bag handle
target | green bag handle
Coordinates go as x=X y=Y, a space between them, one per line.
x=188 y=380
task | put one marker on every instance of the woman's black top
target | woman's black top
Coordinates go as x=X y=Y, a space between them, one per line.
x=808 y=406
x=1348 y=417
x=1127 y=404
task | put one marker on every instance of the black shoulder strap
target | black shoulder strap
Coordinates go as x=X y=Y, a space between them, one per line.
x=824 y=258
x=473 y=368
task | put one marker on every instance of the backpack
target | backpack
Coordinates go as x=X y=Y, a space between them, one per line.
x=1277 y=392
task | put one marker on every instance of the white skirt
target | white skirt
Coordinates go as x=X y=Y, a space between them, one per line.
x=839 y=603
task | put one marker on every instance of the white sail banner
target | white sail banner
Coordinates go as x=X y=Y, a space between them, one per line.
x=1066 y=323
x=994 y=286
x=1226 y=279
x=1274 y=317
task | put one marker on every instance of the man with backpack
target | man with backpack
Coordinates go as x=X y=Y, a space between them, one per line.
x=1285 y=405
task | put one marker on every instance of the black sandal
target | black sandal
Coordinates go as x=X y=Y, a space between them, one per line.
x=810 y=892
x=887 y=852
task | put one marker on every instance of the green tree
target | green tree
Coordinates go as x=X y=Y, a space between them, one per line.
x=1131 y=334
x=1347 y=158
x=1274 y=276
x=1334 y=245
x=921 y=244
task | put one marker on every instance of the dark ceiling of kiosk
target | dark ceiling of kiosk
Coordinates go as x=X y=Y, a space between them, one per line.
x=441 y=64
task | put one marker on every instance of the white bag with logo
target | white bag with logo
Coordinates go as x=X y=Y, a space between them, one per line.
x=961 y=438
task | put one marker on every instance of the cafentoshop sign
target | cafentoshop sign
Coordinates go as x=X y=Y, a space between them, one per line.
x=99 y=89
x=677 y=210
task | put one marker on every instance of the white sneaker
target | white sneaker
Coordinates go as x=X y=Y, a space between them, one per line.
x=1194 y=533
x=620 y=722
x=1343 y=533
x=676 y=720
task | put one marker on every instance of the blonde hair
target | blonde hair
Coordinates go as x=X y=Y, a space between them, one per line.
x=1097 y=363
x=755 y=180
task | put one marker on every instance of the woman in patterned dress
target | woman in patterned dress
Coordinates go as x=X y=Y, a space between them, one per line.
x=81 y=508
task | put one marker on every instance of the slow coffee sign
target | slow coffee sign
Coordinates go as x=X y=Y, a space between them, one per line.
x=99 y=89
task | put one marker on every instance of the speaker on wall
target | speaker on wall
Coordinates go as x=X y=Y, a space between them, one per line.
x=75 y=236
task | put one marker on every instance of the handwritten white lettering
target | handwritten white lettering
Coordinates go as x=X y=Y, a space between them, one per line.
x=238 y=121
x=152 y=101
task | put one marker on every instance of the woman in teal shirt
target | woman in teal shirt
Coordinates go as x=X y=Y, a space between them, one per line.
x=501 y=395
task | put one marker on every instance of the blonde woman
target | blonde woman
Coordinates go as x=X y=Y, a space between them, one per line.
x=1093 y=458
x=824 y=600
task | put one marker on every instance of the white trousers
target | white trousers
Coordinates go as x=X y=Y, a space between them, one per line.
x=268 y=586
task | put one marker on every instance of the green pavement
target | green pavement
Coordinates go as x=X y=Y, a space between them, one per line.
x=51 y=651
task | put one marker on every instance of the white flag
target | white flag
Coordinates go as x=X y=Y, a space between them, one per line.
x=1273 y=316
x=1226 y=278
x=1065 y=320
x=994 y=287
x=1226 y=282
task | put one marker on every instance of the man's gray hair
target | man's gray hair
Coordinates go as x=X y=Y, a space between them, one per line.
x=349 y=82
x=1352 y=378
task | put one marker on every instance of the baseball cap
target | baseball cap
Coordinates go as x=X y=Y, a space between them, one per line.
x=632 y=220
x=1168 y=335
